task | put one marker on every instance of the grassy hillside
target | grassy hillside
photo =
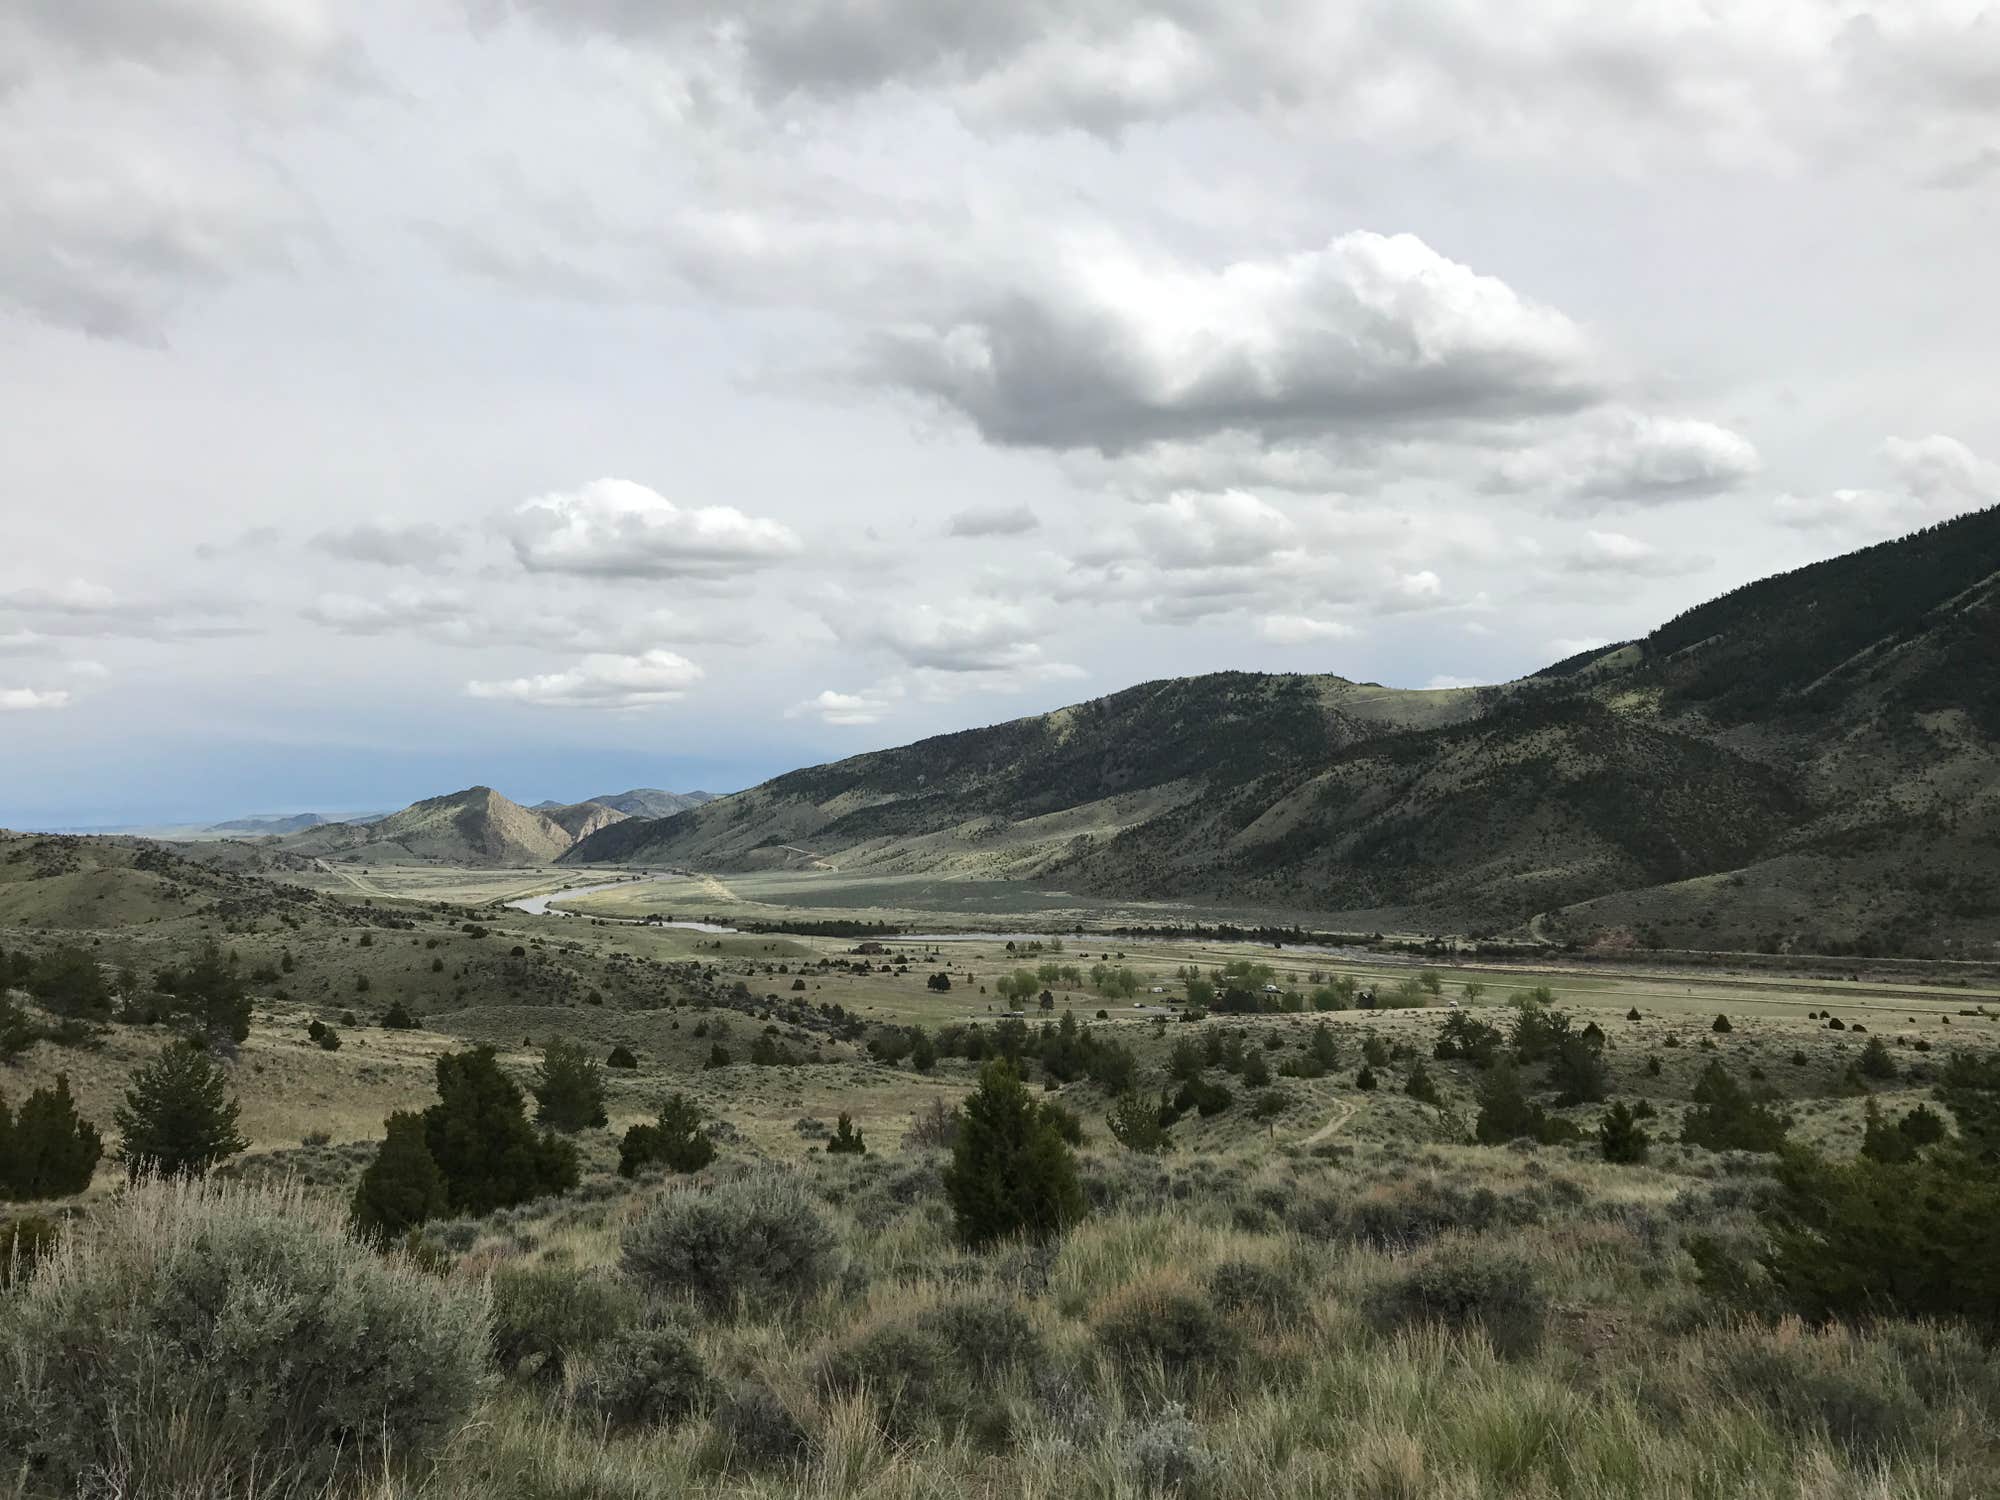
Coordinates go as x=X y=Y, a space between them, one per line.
x=477 y=826
x=1747 y=776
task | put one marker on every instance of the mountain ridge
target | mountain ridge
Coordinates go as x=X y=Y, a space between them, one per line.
x=1828 y=738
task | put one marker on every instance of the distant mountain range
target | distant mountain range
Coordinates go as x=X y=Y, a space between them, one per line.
x=1809 y=761
x=477 y=826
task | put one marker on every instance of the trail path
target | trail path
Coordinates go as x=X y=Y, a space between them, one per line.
x=1344 y=1112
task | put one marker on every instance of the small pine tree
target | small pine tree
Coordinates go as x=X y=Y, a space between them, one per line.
x=1721 y=1023
x=50 y=1151
x=675 y=1140
x=621 y=1056
x=481 y=1140
x=402 y=1186
x=1135 y=1124
x=846 y=1140
x=1620 y=1136
x=718 y=1055
x=923 y=1051
x=178 y=1116
x=568 y=1089
x=1421 y=1086
x=1365 y=1080
x=1726 y=1118
x=1875 y=1060
x=398 y=1018
x=1010 y=1172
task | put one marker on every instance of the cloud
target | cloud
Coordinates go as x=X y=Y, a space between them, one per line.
x=1615 y=552
x=843 y=709
x=79 y=607
x=1297 y=630
x=1110 y=350
x=411 y=545
x=614 y=528
x=961 y=636
x=1937 y=478
x=1445 y=680
x=28 y=700
x=1746 y=84
x=396 y=612
x=1620 y=455
x=603 y=681
x=994 y=520
x=1565 y=647
x=254 y=37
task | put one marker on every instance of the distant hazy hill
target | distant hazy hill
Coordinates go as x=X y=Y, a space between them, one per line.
x=651 y=802
x=477 y=826
x=1811 y=760
x=258 y=824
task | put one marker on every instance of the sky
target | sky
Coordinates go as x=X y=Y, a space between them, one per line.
x=568 y=395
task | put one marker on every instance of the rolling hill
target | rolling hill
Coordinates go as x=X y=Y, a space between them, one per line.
x=1810 y=761
x=477 y=826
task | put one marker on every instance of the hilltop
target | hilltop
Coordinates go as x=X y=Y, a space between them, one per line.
x=1810 y=761
x=477 y=826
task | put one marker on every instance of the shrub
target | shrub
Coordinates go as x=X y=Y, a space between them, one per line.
x=481 y=1140
x=1240 y=1286
x=547 y=1314
x=1010 y=1171
x=178 y=1117
x=935 y=1127
x=1621 y=1138
x=1365 y=1080
x=278 y=1352
x=1462 y=1038
x=1422 y=1087
x=674 y=1140
x=1852 y=1238
x=50 y=1151
x=1166 y=1321
x=621 y=1056
x=568 y=1089
x=402 y=1187
x=846 y=1140
x=645 y=1377
x=718 y=1056
x=753 y=1426
x=398 y=1018
x=1465 y=1287
x=1875 y=1061
x=762 y=1241
x=1970 y=1089
x=1507 y=1114
x=1726 y=1118
x=1720 y=1024
x=1165 y=1455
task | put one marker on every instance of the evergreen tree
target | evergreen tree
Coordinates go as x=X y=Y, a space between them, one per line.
x=1621 y=1137
x=178 y=1116
x=1135 y=1124
x=1970 y=1089
x=621 y=1056
x=1576 y=1069
x=210 y=1001
x=481 y=1140
x=398 y=1018
x=846 y=1140
x=17 y=1032
x=923 y=1051
x=1010 y=1171
x=1875 y=1061
x=53 y=1150
x=675 y=1140
x=402 y=1186
x=1726 y=1118
x=69 y=982
x=1421 y=1086
x=569 y=1089
x=1881 y=1141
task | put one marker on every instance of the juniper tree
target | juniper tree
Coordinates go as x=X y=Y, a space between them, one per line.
x=402 y=1187
x=49 y=1151
x=179 y=1116
x=568 y=1089
x=1010 y=1171
x=481 y=1139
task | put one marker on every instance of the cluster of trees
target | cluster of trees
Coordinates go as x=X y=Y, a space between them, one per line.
x=470 y=1153
x=674 y=1140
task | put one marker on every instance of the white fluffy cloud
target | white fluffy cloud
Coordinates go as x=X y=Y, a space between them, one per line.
x=1111 y=349
x=1615 y=552
x=615 y=528
x=601 y=681
x=1624 y=455
x=843 y=710
x=1937 y=477
x=79 y=607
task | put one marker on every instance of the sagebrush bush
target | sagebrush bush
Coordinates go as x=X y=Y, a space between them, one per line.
x=1168 y=1322
x=762 y=1240
x=932 y=1366
x=1165 y=1456
x=1467 y=1287
x=753 y=1427
x=545 y=1315
x=645 y=1377
x=201 y=1333
x=1248 y=1286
